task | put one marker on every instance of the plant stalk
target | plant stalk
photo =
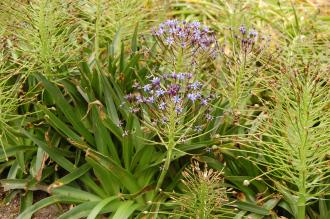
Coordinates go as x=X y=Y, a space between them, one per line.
x=170 y=146
x=301 y=211
x=165 y=168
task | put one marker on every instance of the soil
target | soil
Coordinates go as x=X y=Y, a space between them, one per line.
x=11 y=209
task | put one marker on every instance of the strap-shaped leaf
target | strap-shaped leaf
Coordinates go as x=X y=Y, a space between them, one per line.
x=66 y=109
x=28 y=212
x=127 y=179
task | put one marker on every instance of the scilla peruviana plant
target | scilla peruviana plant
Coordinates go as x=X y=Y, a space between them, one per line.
x=238 y=66
x=292 y=146
x=175 y=106
x=46 y=35
x=204 y=194
x=185 y=46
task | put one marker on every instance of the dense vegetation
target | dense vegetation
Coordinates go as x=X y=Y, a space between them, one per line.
x=159 y=109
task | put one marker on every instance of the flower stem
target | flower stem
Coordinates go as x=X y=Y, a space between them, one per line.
x=170 y=146
x=301 y=211
x=165 y=168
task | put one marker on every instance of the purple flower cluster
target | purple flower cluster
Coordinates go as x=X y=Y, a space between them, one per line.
x=249 y=38
x=193 y=39
x=174 y=92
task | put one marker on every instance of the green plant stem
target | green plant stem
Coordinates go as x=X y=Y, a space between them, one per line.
x=165 y=168
x=179 y=66
x=303 y=116
x=301 y=204
x=301 y=211
x=170 y=146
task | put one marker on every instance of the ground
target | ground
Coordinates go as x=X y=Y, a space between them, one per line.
x=11 y=210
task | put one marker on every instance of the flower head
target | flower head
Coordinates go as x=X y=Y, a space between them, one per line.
x=176 y=99
x=192 y=96
x=195 y=41
x=173 y=89
x=242 y=29
x=171 y=95
x=162 y=106
x=160 y=92
x=250 y=40
x=147 y=87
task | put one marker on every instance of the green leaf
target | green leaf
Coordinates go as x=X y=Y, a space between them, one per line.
x=251 y=207
x=98 y=208
x=127 y=179
x=125 y=210
x=26 y=201
x=60 y=125
x=66 y=109
x=28 y=212
x=54 y=153
x=79 y=211
x=73 y=175
x=12 y=150
x=69 y=191
x=109 y=182
x=134 y=39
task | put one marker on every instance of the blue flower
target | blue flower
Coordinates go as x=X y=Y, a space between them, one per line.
x=160 y=31
x=253 y=33
x=164 y=120
x=178 y=109
x=150 y=99
x=208 y=117
x=242 y=29
x=139 y=99
x=160 y=92
x=162 y=106
x=195 y=24
x=181 y=34
x=147 y=87
x=176 y=99
x=173 y=89
x=189 y=37
x=129 y=97
x=172 y=30
x=192 y=96
x=174 y=75
x=155 y=81
x=196 y=85
x=171 y=23
x=169 y=40
x=204 y=102
x=181 y=76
